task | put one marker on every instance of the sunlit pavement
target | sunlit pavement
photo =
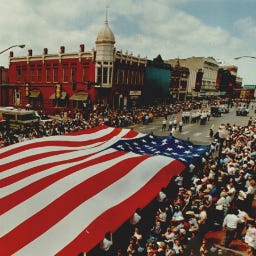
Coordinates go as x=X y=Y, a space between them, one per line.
x=196 y=133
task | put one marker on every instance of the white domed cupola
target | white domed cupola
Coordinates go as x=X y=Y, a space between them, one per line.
x=105 y=55
x=105 y=35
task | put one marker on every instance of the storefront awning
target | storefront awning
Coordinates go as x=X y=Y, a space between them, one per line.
x=79 y=96
x=63 y=96
x=34 y=94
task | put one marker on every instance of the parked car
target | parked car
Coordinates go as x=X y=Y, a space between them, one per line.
x=215 y=111
x=242 y=111
x=224 y=108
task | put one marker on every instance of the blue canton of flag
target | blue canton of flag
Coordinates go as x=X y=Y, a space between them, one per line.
x=168 y=146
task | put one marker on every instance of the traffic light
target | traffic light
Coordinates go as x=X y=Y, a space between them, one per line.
x=27 y=91
x=58 y=91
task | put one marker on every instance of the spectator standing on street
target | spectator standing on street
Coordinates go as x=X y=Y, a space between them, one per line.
x=180 y=126
x=164 y=125
x=230 y=225
x=170 y=124
x=175 y=121
x=211 y=133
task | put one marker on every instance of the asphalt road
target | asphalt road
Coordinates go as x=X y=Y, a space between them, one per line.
x=196 y=133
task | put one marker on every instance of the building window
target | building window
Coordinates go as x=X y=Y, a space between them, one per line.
x=65 y=73
x=84 y=75
x=39 y=73
x=99 y=75
x=73 y=73
x=105 y=75
x=24 y=70
x=32 y=73
x=55 y=73
x=18 y=73
x=110 y=75
x=48 y=74
x=128 y=77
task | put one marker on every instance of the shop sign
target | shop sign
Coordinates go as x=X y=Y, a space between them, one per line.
x=135 y=93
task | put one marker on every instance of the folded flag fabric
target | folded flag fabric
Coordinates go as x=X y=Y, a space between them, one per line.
x=59 y=194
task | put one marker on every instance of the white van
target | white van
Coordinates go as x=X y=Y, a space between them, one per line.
x=19 y=118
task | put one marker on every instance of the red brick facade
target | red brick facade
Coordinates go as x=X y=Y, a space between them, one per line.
x=41 y=73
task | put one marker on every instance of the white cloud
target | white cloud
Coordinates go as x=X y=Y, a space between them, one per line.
x=144 y=27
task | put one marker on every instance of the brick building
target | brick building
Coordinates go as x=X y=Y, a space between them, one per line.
x=42 y=73
x=3 y=80
x=55 y=82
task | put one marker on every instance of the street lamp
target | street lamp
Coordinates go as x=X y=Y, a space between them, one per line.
x=16 y=45
x=237 y=58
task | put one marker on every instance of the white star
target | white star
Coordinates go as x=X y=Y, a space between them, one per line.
x=187 y=152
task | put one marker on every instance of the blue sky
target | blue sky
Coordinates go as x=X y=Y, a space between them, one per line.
x=223 y=29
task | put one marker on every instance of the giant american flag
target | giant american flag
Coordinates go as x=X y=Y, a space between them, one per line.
x=59 y=194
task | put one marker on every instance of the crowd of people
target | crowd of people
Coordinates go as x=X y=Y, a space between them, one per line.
x=75 y=120
x=215 y=193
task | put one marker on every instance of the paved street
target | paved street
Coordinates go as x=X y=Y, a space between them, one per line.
x=196 y=133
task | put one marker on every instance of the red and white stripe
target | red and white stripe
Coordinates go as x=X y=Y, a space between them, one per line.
x=62 y=204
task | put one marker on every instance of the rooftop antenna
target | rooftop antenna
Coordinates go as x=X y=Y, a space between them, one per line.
x=106 y=18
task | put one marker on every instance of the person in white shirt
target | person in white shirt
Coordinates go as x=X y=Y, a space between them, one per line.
x=219 y=206
x=230 y=225
x=170 y=125
x=135 y=219
x=163 y=124
x=244 y=218
x=250 y=238
x=107 y=242
x=250 y=193
x=161 y=196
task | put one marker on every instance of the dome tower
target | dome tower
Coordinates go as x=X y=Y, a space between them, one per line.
x=105 y=55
